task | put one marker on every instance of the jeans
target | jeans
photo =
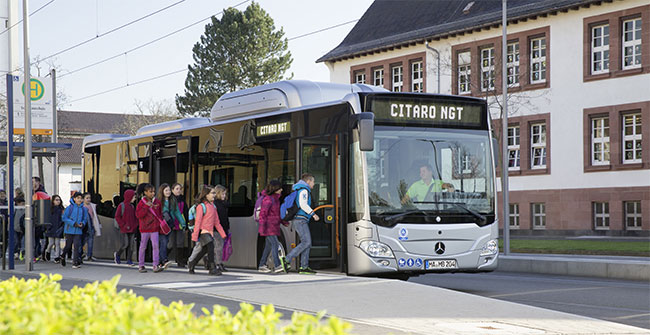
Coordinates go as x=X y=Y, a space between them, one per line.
x=88 y=238
x=126 y=245
x=76 y=240
x=302 y=249
x=164 y=241
x=155 y=253
x=54 y=243
x=270 y=247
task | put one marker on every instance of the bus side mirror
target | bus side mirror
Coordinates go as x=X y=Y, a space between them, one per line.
x=365 y=122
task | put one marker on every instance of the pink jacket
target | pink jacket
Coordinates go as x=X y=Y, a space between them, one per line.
x=269 y=224
x=208 y=221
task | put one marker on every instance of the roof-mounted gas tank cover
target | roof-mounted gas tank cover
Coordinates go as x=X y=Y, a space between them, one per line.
x=170 y=126
x=282 y=95
x=99 y=138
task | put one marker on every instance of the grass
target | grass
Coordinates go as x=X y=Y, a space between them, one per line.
x=579 y=247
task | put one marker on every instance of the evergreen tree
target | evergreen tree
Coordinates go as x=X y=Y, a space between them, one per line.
x=241 y=50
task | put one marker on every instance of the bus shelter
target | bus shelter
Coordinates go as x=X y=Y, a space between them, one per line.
x=39 y=149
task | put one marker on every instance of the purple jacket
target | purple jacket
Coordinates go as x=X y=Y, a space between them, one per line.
x=270 y=215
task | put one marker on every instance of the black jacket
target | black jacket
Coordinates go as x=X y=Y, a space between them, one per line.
x=222 y=210
x=56 y=227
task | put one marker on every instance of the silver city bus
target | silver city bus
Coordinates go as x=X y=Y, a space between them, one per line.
x=404 y=181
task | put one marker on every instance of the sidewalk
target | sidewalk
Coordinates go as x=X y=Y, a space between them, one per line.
x=620 y=267
x=369 y=304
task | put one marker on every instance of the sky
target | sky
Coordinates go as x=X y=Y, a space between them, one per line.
x=65 y=23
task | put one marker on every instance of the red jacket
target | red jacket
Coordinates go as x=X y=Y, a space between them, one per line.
x=149 y=223
x=128 y=222
x=270 y=220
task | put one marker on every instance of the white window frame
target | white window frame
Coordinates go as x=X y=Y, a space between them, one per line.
x=73 y=176
x=513 y=220
x=514 y=152
x=360 y=77
x=538 y=212
x=635 y=138
x=636 y=215
x=603 y=215
x=538 y=129
x=487 y=69
x=513 y=64
x=378 y=77
x=633 y=44
x=600 y=138
x=464 y=72
x=398 y=78
x=600 y=49
x=538 y=57
x=416 y=77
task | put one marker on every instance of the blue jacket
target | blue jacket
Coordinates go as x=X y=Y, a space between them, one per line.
x=75 y=214
x=301 y=186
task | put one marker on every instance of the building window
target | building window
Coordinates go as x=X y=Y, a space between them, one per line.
x=538 y=60
x=360 y=78
x=514 y=215
x=76 y=174
x=538 y=211
x=632 y=214
x=600 y=49
x=398 y=78
x=416 y=77
x=632 y=138
x=601 y=215
x=600 y=141
x=513 y=148
x=378 y=77
x=631 y=44
x=513 y=64
x=487 y=69
x=464 y=72
x=538 y=145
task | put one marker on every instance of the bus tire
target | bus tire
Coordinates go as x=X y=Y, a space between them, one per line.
x=282 y=250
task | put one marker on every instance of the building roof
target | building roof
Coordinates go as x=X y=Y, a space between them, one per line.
x=72 y=155
x=391 y=24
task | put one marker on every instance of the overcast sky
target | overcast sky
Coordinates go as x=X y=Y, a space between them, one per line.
x=65 y=23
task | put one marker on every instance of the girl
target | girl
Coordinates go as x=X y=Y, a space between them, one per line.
x=178 y=235
x=171 y=215
x=149 y=219
x=206 y=221
x=125 y=217
x=54 y=232
x=75 y=218
x=222 y=209
x=269 y=225
x=94 y=228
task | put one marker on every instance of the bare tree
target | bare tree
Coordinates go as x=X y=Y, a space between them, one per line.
x=146 y=113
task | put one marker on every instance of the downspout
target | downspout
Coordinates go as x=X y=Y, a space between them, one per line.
x=438 y=54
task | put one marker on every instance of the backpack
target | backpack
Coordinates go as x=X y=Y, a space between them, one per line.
x=115 y=224
x=289 y=207
x=191 y=215
x=258 y=206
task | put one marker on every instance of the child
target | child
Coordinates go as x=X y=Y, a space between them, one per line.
x=206 y=221
x=178 y=235
x=269 y=225
x=125 y=217
x=147 y=214
x=75 y=217
x=171 y=215
x=94 y=228
x=54 y=232
x=222 y=209
x=19 y=227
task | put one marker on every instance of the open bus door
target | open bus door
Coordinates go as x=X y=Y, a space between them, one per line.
x=183 y=161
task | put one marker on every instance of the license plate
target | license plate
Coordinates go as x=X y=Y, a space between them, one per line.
x=434 y=264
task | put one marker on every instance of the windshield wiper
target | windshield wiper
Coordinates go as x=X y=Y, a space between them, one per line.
x=460 y=205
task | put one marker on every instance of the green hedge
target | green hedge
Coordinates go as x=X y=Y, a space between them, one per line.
x=41 y=307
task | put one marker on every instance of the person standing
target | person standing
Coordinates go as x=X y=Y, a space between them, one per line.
x=37 y=186
x=269 y=225
x=128 y=223
x=75 y=217
x=301 y=224
x=222 y=211
x=178 y=235
x=54 y=232
x=207 y=220
x=94 y=228
x=171 y=215
x=147 y=214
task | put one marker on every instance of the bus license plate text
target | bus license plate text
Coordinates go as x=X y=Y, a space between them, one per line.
x=434 y=264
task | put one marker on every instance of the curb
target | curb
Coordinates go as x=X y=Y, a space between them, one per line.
x=611 y=267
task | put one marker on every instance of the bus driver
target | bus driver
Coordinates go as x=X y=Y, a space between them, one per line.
x=421 y=189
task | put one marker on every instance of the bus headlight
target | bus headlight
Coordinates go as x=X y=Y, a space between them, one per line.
x=376 y=249
x=490 y=248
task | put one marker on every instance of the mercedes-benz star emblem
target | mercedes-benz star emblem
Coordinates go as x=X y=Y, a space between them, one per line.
x=439 y=248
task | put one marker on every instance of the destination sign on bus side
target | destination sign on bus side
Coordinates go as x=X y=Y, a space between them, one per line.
x=404 y=110
x=274 y=128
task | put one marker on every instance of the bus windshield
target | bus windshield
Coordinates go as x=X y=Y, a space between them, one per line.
x=415 y=174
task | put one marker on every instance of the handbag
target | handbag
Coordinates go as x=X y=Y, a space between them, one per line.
x=227 y=248
x=164 y=227
x=169 y=219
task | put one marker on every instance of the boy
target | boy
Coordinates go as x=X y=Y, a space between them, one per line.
x=149 y=222
x=75 y=217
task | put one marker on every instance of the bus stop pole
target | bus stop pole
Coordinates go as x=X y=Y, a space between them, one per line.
x=55 y=159
x=27 y=86
x=504 y=131
x=10 y=167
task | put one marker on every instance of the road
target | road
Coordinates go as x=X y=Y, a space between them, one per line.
x=626 y=302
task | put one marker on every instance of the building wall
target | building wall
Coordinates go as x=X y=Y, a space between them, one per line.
x=568 y=186
x=67 y=183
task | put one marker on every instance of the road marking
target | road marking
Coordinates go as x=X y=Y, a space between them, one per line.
x=626 y=317
x=545 y=291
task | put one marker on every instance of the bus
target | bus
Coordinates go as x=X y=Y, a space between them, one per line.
x=404 y=181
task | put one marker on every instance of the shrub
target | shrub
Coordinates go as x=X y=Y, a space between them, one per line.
x=41 y=307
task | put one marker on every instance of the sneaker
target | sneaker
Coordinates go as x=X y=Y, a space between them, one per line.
x=278 y=269
x=264 y=269
x=285 y=265
x=142 y=269
x=116 y=258
x=166 y=264
x=91 y=259
x=129 y=263
x=57 y=260
x=222 y=268
x=21 y=257
x=62 y=261
x=158 y=268
x=76 y=266
x=307 y=271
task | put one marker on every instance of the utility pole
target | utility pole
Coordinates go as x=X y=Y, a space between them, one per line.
x=55 y=159
x=504 y=132
x=27 y=92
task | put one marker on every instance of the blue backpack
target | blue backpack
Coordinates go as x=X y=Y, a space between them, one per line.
x=289 y=207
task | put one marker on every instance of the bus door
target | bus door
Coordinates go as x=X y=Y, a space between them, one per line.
x=183 y=161
x=144 y=162
x=319 y=157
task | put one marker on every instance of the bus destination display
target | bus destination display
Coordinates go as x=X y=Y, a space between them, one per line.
x=274 y=128
x=425 y=112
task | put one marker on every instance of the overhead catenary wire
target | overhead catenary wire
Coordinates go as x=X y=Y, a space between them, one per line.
x=34 y=12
